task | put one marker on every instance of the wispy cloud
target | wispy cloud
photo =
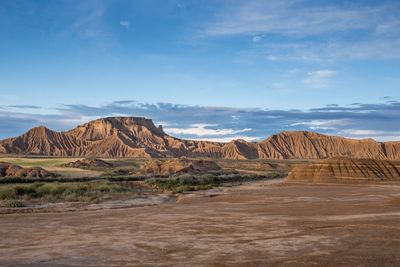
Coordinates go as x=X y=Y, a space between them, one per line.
x=204 y=129
x=85 y=20
x=24 y=106
x=318 y=125
x=228 y=139
x=256 y=38
x=125 y=24
x=374 y=134
x=319 y=78
x=314 y=30
x=291 y=18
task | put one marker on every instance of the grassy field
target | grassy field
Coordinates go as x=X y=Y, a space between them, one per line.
x=47 y=163
x=105 y=183
x=52 y=164
x=18 y=195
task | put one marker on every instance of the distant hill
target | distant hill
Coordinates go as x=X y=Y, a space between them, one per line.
x=139 y=137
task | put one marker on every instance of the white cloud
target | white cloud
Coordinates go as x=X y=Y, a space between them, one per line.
x=228 y=139
x=357 y=132
x=257 y=38
x=235 y=117
x=322 y=124
x=203 y=129
x=375 y=134
x=319 y=78
x=296 y=18
x=381 y=48
x=73 y=121
x=124 y=23
x=87 y=22
x=162 y=123
x=272 y=58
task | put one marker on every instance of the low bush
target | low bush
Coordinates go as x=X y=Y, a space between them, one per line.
x=57 y=190
x=187 y=182
x=13 y=203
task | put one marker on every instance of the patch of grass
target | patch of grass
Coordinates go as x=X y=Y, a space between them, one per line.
x=60 y=179
x=118 y=171
x=62 y=191
x=13 y=203
x=182 y=183
x=121 y=178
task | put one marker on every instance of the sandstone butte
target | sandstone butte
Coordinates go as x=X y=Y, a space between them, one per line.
x=139 y=137
x=345 y=169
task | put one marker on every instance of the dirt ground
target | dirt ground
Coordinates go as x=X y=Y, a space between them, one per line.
x=258 y=224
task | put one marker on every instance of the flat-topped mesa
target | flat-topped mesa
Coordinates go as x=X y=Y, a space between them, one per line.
x=101 y=128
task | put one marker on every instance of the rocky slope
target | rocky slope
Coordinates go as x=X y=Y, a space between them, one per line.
x=139 y=137
x=345 y=169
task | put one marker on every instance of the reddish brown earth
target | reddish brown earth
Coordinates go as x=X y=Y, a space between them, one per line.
x=139 y=137
x=12 y=170
x=258 y=224
x=345 y=169
x=178 y=166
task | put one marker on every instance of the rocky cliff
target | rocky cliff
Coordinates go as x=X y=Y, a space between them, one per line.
x=345 y=169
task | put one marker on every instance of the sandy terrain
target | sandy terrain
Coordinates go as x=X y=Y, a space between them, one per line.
x=259 y=224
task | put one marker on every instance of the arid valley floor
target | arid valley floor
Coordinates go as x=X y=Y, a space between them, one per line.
x=262 y=223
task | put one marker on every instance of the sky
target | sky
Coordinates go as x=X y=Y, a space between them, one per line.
x=204 y=69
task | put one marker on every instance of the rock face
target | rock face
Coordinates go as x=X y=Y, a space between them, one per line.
x=178 y=166
x=344 y=169
x=139 y=137
x=12 y=170
x=89 y=163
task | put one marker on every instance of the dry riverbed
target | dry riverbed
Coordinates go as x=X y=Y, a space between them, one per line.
x=263 y=223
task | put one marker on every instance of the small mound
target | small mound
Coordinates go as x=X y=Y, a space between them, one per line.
x=12 y=170
x=178 y=166
x=89 y=163
x=345 y=169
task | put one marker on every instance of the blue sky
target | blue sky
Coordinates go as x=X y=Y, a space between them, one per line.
x=213 y=70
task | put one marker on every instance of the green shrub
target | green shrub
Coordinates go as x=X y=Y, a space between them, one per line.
x=189 y=182
x=7 y=193
x=13 y=203
x=183 y=188
x=74 y=191
x=21 y=190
